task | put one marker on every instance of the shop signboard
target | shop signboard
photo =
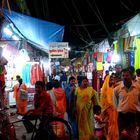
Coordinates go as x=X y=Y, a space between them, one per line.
x=58 y=50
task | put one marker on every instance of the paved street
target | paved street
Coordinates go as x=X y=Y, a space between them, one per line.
x=20 y=130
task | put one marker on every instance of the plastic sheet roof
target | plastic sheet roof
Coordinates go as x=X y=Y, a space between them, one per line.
x=35 y=30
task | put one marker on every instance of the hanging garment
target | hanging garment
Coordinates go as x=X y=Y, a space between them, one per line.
x=36 y=73
x=99 y=66
x=137 y=53
x=109 y=56
x=26 y=73
x=99 y=57
x=132 y=58
x=104 y=57
x=3 y=62
x=128 y=43
x=127 y=55
x=95 y=56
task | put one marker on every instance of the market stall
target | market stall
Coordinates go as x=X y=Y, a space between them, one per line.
x=24 y=40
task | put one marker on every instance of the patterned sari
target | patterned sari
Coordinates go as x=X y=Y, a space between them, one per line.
x=84 y=108
x=109 y=111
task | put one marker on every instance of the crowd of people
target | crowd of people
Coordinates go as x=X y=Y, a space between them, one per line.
x=120 y=102
x=112 y=114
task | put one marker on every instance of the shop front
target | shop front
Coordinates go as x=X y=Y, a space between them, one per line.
x=22 y=64
x=25 y=41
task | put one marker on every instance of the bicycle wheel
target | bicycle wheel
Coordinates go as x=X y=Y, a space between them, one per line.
x=54 y=129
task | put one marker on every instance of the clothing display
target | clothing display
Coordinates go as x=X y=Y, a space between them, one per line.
x=137 y=53
x=132 y=54
x=99 y=57
x=32 y=72
x=36 y=73
x=109 y=56
x=26 y=73
x=99 y=65
x=104 y=57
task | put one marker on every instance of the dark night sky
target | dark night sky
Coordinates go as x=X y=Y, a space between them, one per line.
x=85 y=21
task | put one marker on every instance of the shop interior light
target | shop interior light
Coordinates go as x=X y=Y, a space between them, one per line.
x=15 y=37
x=115 y=58
x=69 y=48
x=7 y=31
x=6 y=53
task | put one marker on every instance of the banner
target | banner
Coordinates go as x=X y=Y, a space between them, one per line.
x=58 y=50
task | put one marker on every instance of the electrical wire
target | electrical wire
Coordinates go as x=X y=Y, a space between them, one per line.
x=130 y=2
x=45 y=9
x=79 y=34
x=80 y=19
x=80 y=37
x=103 y=23
x=81 y=25
x=98 y=15
x=125 y=6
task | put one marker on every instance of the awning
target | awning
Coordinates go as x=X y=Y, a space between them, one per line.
x=35 y=30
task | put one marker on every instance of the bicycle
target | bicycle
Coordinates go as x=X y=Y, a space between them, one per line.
x=49 y=130
x=54 y=128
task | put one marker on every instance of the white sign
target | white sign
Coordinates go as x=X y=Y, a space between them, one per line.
x=58 y=50
x=89 y=75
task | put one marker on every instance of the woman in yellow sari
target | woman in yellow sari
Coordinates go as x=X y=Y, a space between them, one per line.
x=85 y=99
x=109 y=109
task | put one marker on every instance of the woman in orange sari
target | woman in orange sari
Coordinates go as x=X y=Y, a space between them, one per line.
x=60 y=108
x=20 y=94
x=85 y=98
x=109 y=109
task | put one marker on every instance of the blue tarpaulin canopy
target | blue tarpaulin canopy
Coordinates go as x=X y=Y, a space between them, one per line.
x=35 y=30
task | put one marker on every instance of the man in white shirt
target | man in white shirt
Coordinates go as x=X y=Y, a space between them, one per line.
x=54 y=76
x=127 y=100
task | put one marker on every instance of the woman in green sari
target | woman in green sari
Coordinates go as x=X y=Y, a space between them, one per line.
x=85 y=99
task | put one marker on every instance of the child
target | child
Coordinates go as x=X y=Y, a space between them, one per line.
x=98 y=123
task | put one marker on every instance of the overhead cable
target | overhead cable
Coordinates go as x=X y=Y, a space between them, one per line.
x=98 y=14
x=80 y=19
x=79 y=34
x=45 y=9
x=126 y=7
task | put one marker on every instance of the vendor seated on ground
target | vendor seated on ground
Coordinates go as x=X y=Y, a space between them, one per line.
x=43 y=106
